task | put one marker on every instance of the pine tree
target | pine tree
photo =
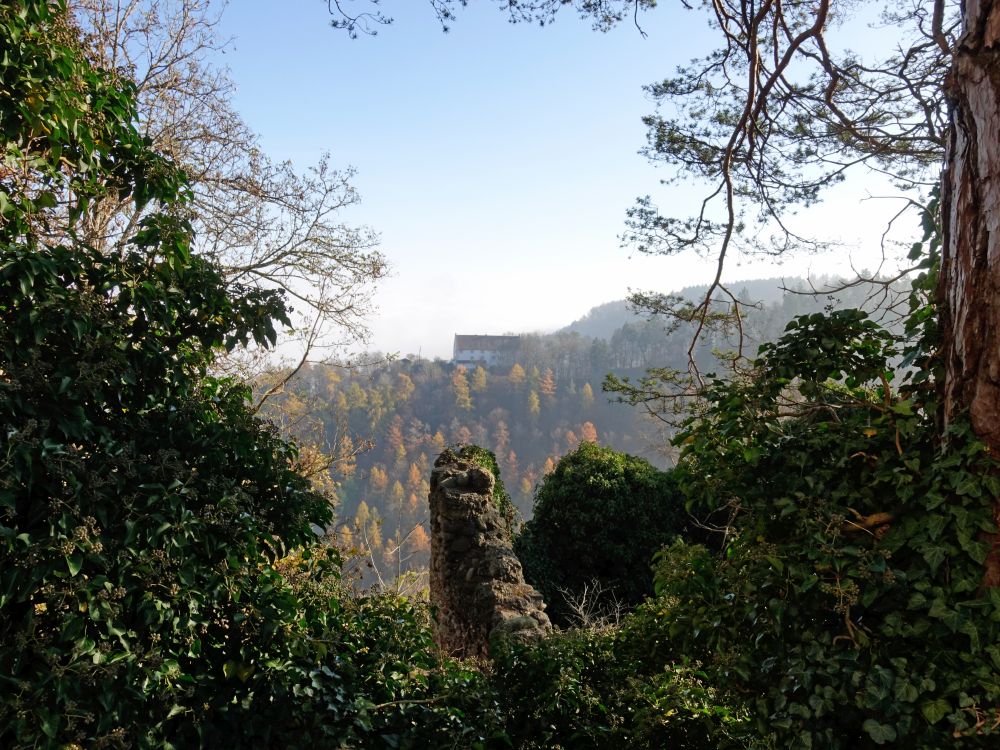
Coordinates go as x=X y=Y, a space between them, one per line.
x=534 y=406
x=478 y=379
x=463 y=435
x=397 y=495
x=517 y=376
x=419 y=539
x=356 y=396
x=526 y=486
x=394 y=435
x=404 y=387
x=547 y=385
x=502 y=435
x=414 y=478
x=378 y=478
x=572 y=441
x=438 y=442
x=512 y=465
x=534 y=377
x=362 y=515
x=460 y=387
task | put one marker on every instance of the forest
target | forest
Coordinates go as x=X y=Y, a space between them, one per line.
x=383 y=424
x=762 y=514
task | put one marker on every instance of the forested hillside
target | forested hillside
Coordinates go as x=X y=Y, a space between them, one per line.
x=183 y=522
x=385 y=423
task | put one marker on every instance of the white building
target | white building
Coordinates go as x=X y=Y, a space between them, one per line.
x=485 y=350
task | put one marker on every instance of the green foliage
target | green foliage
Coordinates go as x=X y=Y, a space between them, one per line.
x=144 y=510
x=599 y=517
x=600 y=688
x=375 y=679
x=848 y=597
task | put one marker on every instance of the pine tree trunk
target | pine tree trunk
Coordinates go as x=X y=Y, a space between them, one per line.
x=970 y=269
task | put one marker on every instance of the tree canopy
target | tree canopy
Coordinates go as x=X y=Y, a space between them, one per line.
x=599 y=517
x=147 y=595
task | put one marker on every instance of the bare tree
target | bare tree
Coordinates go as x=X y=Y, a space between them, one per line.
x=266 y=224
x=779 y=110
x=595 y=606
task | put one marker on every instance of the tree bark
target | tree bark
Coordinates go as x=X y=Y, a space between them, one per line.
x=969 y=289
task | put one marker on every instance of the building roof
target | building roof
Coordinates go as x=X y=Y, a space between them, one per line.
x=486 y=343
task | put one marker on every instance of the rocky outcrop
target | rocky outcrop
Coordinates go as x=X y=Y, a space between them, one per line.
x=476 y=584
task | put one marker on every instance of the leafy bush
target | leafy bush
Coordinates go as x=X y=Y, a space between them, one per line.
x=578 y=689
x=145 y=512
x=598 y=517
x=848 y=597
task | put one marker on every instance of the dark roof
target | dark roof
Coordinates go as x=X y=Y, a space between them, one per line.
x=486 y=343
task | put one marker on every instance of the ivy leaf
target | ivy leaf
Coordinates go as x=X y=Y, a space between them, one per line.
x=935 y=710
x=906 y=692
x=934 y=557
x=74 y=562
x=880 y=733
x=935 y=524
x=50 y=723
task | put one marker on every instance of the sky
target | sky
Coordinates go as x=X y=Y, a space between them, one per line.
x=496 y=161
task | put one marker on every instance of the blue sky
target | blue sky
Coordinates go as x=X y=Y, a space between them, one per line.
x=496 y=161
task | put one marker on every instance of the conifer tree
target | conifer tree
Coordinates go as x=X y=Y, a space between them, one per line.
x=534 y=378
x=534 y=406
x=419 y=539
x=547 y=385
x=479 y=379
x=414 y=478
x=517 y=375
x=460 y=389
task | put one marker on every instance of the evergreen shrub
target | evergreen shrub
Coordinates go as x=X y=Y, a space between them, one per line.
x=598 y=519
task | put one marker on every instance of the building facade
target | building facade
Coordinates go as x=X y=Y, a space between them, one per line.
x=489 y=351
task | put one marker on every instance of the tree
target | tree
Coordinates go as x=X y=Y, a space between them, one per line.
x=143 y=505
x=362 y=515
x=266 y=224
x=438 y=442
x=572 y=441
x=420 y=540
x=598 y=516
x=397 y=495
x=414 y=479
x=587 y=396
x=460 y=389
x=517 y=375
x=775 y=114
x=378 y=478
x=479 y=377
x=534 y=377
x=805 y=493
x=793 y=117
x=969 y=287
x=588 y=433
x=547 y=385
x=534 y=405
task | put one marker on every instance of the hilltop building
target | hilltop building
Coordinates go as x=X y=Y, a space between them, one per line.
x=485 y=350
